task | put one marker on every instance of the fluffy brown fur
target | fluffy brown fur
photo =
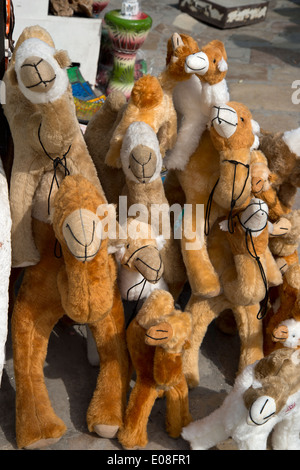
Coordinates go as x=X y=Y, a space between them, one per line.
x=284 y=163
x=85 y=291
x=279 y=375
x=158 y=368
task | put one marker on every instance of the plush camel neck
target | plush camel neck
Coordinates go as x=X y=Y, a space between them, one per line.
x=167 y=82
x=148 y=193
x=95 y=297
x=58 y=125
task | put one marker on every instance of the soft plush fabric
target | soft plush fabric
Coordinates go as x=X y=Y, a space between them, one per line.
x=157 y=359
x=5 y=263
x=85 y=290
x=265 y=398
x=46 y=136
x=195 y=98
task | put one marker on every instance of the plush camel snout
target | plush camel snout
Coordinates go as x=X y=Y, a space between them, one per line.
x=143 y=162
x=198 y=62
x=147 y=261
x=81 y=233
x=37 y=74
x=224 y=119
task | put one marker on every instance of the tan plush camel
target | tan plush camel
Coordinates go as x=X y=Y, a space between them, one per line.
x=83 y=285
x=151 y=101
x=48 y=142
x=156 y=339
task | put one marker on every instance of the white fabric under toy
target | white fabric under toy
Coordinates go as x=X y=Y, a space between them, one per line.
x=5 y=263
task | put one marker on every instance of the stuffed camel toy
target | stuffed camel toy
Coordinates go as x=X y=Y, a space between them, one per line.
x=255 y=268
x=284 y=299
x=140 y=271
x=142 y=164
x=151 y=101
x=265 y=399
x=225 y=151
x=156 y=339
x=217 y=177
x=194 y=98
x=49 y=149
x=48 y=142
x=82 y=284
x=282 y=151
x=5 y=263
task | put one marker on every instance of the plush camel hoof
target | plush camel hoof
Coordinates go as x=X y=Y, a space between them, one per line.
x=107 y=431
x=42 y=443
x=133 y=448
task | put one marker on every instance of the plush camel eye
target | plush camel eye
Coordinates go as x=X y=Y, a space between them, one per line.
x=214 y=61
x=242 y=119
x=127 y=246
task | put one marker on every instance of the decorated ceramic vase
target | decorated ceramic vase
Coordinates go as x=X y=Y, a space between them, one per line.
x=98 y=6
x=127 y=31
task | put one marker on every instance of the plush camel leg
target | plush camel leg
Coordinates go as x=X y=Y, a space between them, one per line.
x=243 y=283
x=105 y=412
x=203 y=312
x=203 y=281
x=36 y=311
x=250 y=332
x=177 y=412
x=142 y=398
x=202 y=276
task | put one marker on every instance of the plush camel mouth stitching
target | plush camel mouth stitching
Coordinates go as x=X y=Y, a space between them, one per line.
x=142 y=165
x=220 y=119
x=45 y=82
x=152 y=269
x=86 y=245
x=157 y=339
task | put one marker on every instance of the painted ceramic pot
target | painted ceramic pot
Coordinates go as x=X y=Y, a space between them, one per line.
x=99 y=6
x=127 y=35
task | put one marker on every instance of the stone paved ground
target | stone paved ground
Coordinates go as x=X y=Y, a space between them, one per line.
x=264 y=61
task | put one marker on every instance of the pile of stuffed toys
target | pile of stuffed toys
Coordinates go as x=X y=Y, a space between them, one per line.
x=241 y=256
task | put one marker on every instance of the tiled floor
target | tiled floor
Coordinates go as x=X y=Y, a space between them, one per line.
x=264 y=61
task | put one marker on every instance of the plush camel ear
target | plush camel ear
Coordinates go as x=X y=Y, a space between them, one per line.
x=222 y=65
x=63 y=59
x=176 y=41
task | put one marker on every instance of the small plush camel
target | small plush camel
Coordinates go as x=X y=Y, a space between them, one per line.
x=151 y=101
x=83 y=285
x=156 y=339
x=265 y=399
x=194 y=98
x=142 y=165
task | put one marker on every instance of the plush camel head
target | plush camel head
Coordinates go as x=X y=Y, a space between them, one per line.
x=165 y=326
x=287 y=244
x=232 y=127
x=140 y=154
x=209 y=64
x=254 y=217
x=76 y=223
x=140 y=252
x=282 y=151
x=287 y=333
x=37 y=68
x=179 y=47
